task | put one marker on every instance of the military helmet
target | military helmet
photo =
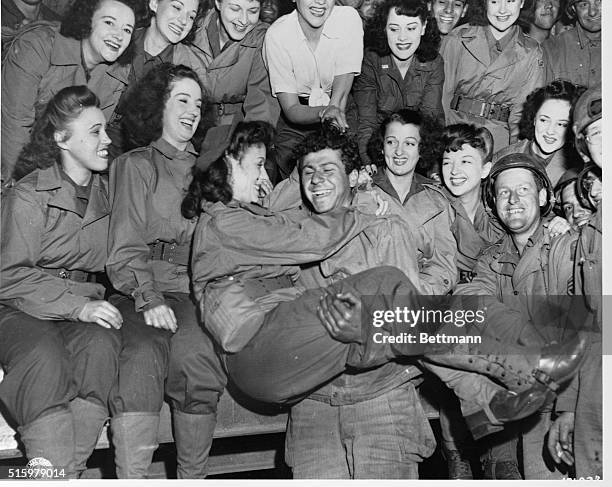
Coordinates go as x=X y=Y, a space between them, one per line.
x=587 y=110
x=525 y=161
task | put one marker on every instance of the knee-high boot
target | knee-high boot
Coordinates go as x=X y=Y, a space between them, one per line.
x=51 y=437
x=89 y=419
x=193 y=434
x=134 y=437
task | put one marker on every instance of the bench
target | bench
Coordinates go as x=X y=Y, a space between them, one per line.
x=237 y=418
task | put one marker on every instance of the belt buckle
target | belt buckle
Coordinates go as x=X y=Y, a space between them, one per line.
x=64 y=274
x=220 y=109
x=485 y=109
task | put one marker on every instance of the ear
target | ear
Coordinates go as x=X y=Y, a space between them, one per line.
x=522 y=4
x=465 y=9
x=353 y=177
x=218 y=4
x=486 y=169
x=542 y=196
x=424 y=28
x=60 y=139
x=153 y=5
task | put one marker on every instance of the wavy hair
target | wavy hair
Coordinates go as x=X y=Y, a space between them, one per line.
x=376 y=35
x=555 y=90
x=429 y=131
x=203 y=8
x=145 y=104
x=213 y=183
x=329 y=137
x=455 y=136
x=42 y=151
x=76 y=23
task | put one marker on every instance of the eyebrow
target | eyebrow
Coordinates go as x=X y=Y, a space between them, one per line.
x=95 y=125
x=183 y=93
x=114 y=18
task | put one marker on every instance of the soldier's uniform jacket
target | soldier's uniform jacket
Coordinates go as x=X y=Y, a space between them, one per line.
x=46 y=225
x=513 y=288
x=147 y=186
x=39 y=63
x=574 y=57
x=236 y=79
x=469 y=72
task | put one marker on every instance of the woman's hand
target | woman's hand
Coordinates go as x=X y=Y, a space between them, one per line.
x=161 y=317
x=336 y=115
x=557 y=226
x=265 y=187
x=102 y=313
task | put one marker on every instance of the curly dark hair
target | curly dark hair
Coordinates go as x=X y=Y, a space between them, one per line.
x=477 y=12
x=527 y=15
x=329 y=136
x=203 y=8
x=375 y=37
x=145 y=104
x=555 y=90
x=213 y=183
x=42 y=151
x=76 y=23
x=429 y=146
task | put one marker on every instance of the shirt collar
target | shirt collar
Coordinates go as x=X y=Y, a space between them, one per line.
x=331 y=28
x=169 y=151
x=585 y=40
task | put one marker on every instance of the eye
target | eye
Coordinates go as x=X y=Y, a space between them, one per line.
x=128 y=31
x=254 y=11
x=503 y=193
x=568 y=207
x=446 y=163
x=109 y=22
x=466 y=161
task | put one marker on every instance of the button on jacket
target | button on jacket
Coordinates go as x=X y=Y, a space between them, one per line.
x=381 y=90
x=40 y=63
x=469 y=72
x=147 y=186
x=43 y=226
x=574 y=57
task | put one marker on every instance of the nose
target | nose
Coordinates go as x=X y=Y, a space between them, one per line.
x=594 y=8
x=263 y=174
x=448 y=7
x=317 y=177
x=183 y=18
x=513 y=197
x=454 y=168
x=502 y=6
x=104 y=138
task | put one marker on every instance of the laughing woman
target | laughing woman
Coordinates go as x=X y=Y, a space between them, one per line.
x=149 y=247
x=59 y=345
x=86 y=50
x=401 y=68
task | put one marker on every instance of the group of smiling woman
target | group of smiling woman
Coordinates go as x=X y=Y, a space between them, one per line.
x=103 y=82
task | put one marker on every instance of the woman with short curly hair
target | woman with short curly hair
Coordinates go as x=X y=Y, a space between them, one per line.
x=149 y=248
x=89 y=48
x=59 y=343
x=401 y=67
x=545 y=128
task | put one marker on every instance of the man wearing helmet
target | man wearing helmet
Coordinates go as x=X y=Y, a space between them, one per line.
x=575 y=55
x=519 y=191
x=580 y=405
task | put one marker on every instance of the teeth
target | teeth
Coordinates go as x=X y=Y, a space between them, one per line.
x=516 y=210
x=112 y=45
x=176 y=30
x=103 y=153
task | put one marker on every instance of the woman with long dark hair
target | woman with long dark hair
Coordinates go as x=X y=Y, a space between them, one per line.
x=87 y=49
x=149 y=248
x=59 y=343
x=401 y=67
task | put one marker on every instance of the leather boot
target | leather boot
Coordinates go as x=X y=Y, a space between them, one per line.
x=89 y=419
x=193 y=435
x=552 y=365
x=508 y=406
x=51 y=437
x=134 y=437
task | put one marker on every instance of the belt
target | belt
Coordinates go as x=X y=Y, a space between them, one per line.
x=304 y=100
x=228 y=108
x=170 y=252
x=77 y=276
x=481 y=108
x=255 y=288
